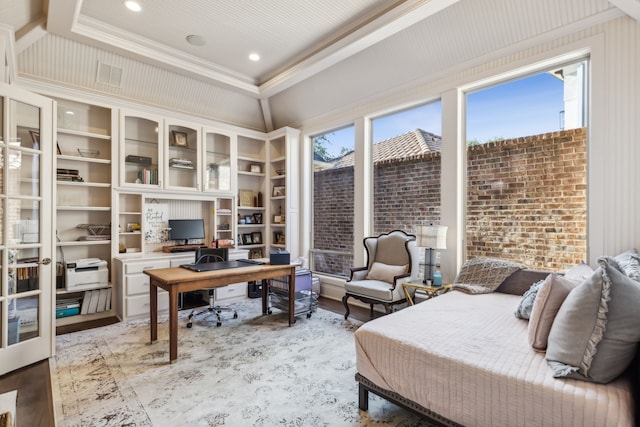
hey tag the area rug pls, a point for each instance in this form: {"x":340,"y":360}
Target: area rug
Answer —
{"x":251,"y":371}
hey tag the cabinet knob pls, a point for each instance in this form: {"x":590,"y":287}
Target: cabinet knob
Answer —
{"x":45,"y":261}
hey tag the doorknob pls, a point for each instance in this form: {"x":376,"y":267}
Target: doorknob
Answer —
{"x":45,"y":261}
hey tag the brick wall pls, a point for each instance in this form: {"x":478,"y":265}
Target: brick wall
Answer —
{"x":526,"y":201}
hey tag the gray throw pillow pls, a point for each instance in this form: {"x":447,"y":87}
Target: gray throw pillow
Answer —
{"x":629,"y":263}
{"x":523,"y":311}
{"x":596,"y":332}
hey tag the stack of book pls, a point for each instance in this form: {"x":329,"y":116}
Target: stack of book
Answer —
{"x":96,"y":301}
{"x":68,"y":175}
{"x":180,"y":163}
{"x":148,"y":176}
{"x":67,"y":307}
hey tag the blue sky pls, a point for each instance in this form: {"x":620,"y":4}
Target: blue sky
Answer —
{"x":528,"y":106}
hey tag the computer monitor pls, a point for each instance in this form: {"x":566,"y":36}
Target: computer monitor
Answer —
{"x":186,"y":229}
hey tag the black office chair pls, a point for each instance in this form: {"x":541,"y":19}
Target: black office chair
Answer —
{"x":205,"y":255}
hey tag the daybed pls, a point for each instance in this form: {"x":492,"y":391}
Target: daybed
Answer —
{"x":463,"y":359}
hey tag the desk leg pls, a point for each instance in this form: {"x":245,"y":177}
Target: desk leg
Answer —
{"x":265,"y":296}
{"x":153,"y":311}
{"x":292,"y":296}
{"x":173,"y":325}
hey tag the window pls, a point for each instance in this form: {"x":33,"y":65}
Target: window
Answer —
{"x":526,"y":169}
{"x":406,"y":168}
{"x":333,"y":196}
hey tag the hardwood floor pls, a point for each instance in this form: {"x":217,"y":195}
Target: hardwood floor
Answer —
{"x":35,"y":399}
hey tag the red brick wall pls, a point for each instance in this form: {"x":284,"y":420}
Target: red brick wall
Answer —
{"x":526,"y":201}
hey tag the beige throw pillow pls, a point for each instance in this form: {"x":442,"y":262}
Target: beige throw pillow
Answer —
{"x":385,"y":272}
{"x":550,"y":297}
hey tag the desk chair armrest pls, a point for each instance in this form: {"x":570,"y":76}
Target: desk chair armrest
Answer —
{"x":358,"y":273}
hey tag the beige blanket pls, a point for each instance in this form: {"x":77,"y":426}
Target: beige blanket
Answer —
{"x":466,"y":357}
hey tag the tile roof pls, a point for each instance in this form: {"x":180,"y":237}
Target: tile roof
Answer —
{"x":410,"y":144}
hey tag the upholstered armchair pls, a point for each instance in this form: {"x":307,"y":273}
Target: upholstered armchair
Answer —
{"x":389,"y":262}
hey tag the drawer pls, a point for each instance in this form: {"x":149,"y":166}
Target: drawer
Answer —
{"x":177,"y":262}
{"x":231,"y":291}
{"x":136,"y":284}
{"x":140,"y":305}
{"x":140,"y":266}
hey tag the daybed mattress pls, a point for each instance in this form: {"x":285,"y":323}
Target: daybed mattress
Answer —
{"x":466,"y":357}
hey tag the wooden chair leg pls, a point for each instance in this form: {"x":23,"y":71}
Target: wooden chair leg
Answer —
{"x":371,"y":311}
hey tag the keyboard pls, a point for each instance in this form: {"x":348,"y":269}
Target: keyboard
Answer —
{"x":251,"y":261}
{"x":185,"y":249}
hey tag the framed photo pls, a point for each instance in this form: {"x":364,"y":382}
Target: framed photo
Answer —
{"x":278,"y":238}
{"x":256,"y":237}
{"x":248,"y":219}
{"x":257,"y":218}
{"x":245,"y":198}
{"x":179,"y":138}
{"x":255,"y":169}
{"x":255,"y":253}
{"x":246,"y":239}
{"x":278,"y":190}
{"x":277,"y":219}
{"x":35,"y":138}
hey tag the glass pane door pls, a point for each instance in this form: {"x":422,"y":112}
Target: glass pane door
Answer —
{"x":25,"y":242}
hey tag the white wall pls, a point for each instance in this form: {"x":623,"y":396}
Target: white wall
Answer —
{"x":614,"y":49}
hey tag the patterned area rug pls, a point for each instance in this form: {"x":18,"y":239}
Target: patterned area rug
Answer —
{"x":251,"y":371}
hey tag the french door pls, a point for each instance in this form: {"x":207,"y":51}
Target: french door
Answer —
{"x":27,"y":327}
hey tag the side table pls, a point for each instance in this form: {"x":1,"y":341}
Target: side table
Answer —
{"x":431,"y":291}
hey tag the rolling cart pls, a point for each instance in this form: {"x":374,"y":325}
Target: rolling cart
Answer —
{"x":306,"y":301}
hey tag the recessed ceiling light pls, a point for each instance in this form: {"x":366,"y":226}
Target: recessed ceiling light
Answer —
{"x":254,"y":57}
{"x":195,"y":40}
{"x":69,"y":112}
{"x":133,"y":5}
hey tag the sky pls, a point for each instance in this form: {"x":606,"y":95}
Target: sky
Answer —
{"x":528,"y":106}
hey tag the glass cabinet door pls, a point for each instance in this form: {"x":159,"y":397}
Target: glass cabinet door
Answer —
{"x":26,"y":335}
{"x":217,"y":158}
{"x":182,"y":159}
{"x":141,"y":154}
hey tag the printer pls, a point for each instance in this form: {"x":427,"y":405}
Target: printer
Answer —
{"x":86,"y":273}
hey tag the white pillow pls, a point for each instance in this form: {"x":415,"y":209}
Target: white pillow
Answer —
{"x":386,"y":272}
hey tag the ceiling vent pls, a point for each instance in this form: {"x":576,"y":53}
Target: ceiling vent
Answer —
{"x":109,"y":75}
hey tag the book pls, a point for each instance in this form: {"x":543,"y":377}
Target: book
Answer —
{"x":93,"y":302}
{"x":85,"y":302}
{"x":65,"y":312}
{"x":108,"y":304}
{"x":102,"y":300}
{"x":63,"y":171}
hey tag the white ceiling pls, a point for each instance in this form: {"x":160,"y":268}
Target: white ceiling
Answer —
{"x":332,"y":52}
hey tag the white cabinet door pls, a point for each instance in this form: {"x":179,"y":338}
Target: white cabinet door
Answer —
{"x":26,"y":310}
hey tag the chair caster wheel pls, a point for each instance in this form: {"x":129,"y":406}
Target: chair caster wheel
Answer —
{"x":219,"y":324}
{"x":308,"y":315}
{"x":269,"y":311}
{"x":189,"y":325}
{"x":235,"y":315}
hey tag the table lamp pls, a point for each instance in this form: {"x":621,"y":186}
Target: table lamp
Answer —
{"x":431,"y":237}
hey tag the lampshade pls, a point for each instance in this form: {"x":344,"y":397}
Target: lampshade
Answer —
{"x":432,"y":236}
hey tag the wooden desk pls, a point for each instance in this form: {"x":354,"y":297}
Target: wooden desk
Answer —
{"x":177,"y":279}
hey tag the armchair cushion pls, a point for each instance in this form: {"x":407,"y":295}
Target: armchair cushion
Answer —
{"x":375,"y":289}
{"x":386,"y":272}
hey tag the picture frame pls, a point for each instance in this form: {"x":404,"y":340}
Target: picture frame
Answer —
{"x":256,"y":237}
{"x":254,"y":168}
{"x":278,"y":238}
{"x":245,"y":198}
{"x":277,"y":219}
{"x":255,"y":253}
{"x":246,"y":239}
{"x":257,"y":218}
{"x":279,"y":191}
{"x":179,"y":138}
{"x":58,"y":151}
{"x":35,"y":138}
{"x":248,"y":219}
